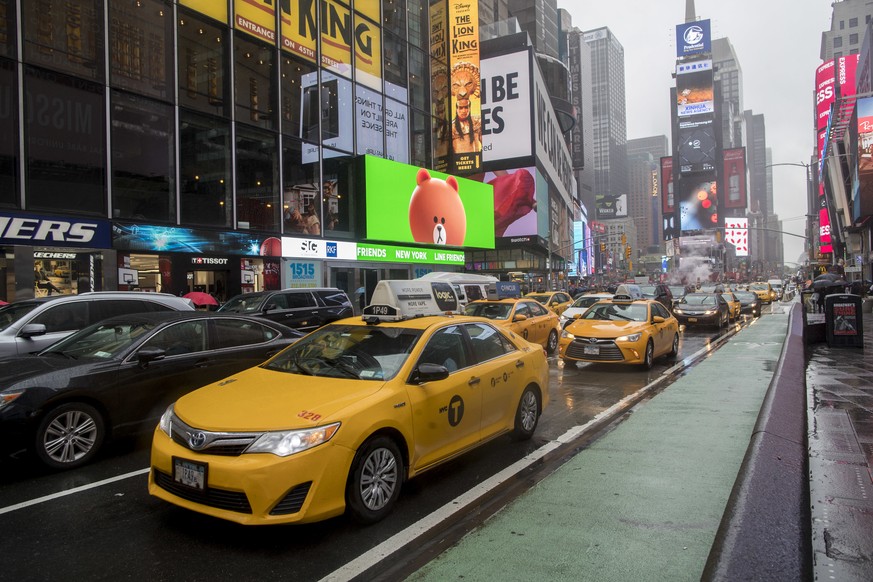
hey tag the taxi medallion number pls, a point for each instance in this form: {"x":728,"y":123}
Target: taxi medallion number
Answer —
{"x":189,"y":473}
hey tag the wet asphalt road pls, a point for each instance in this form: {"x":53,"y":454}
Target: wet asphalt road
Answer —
{"x":82,"y":524}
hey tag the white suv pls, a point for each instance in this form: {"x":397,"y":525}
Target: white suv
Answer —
{"x":30,"y":325}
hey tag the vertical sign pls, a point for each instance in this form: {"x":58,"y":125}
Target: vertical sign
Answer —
{"x":257,"y":18}
{"x":735,"y":178}
{"x":466,"y":124}
{"x":439,"y":82}
{"x":668,"y":199}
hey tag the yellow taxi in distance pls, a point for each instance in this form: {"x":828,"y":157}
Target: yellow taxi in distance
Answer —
{"x":763,"y":290}
{"x":557,"y":301}
{"x":621,"y":330}
{"x":337,"y":424}
{"x":523,"y":315}
{"x":734,"y":305}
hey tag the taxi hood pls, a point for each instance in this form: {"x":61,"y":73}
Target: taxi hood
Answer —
{"x":605,"y":329}
{"x":263,"y":400}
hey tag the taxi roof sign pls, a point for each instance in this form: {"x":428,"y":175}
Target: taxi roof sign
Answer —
{"x":627,"y":292}
{"x":394,"y":300}
{"x":504,"y":290}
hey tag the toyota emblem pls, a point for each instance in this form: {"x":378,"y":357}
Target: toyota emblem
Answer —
{"x":196,"y":440}
{"x":592,"y":340}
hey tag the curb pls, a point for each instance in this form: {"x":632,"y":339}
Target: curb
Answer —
{"x":765,"y":532}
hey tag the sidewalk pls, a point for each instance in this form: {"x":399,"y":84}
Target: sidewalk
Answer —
{"x":691,"y":486}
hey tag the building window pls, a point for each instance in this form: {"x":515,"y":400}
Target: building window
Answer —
{"x":396,"y":73}
{"x":141,"y":47}
{"x":299,"y":190}
{"x":65,"y":36}
{"x":418,"y":81}
{"x":368,"y":53}
{"x":370,"y":121}
{"x":853,"y":39}
{"x":143,"y":159}
{"x":8,"y":36}
{"x":205,"y":169}
{"x":253,"y":76}
{"x":394,"y":17}
{"x":838,"y":41}
{"x":421,"y":136}
{"x":396,"y":131}
{"x":853,"y":22}
{"x":65,"y":132}
{"x":293,"y":71}
{"x":257,"y":178}
{"x":8,"y":128}
{"x":202,"y":56}
{"x":338,"y":192}
{"x":842,"y":24}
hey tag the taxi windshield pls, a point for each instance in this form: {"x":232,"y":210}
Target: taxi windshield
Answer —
{"x":698,"y":299}
{"x":489,"y":310}
{"x":618,"y":312}
{"x":759,"y":287}
{"x":589,"y":300}
{"x":359,"y":352}
{"x":540,"y":298}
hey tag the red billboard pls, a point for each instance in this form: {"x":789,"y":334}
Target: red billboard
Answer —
{"x":837,"y":72}
{"x":734,"y":161}
{"x":668,"y":199}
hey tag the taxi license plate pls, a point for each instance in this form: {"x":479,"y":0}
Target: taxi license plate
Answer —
{"x":692,"y":319}
{"x":591,"y":350}
{"x":189,"y":473}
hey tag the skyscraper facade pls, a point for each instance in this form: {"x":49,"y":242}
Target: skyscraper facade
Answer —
{"x":848,"y":22}
{"x":730,"y":75}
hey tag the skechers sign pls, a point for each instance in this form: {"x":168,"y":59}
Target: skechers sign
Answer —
{"x":693,"y":38}
{"x":47,"y":231}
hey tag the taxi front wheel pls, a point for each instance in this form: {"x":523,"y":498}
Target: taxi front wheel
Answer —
{"x":375,"y":479}
{"x":649,"y":358}
{"x":553,"y":342}
{"x":527,"y":416}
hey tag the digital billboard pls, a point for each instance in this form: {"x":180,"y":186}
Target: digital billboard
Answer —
{"x":516,"y":198}
{"x":694,"y":93}
{"x":466,"y":125}
{"x":610,"y":206}
{"x":697,"y":145}
{"x":693,"y":38}
{"x":698,"y":204}
{"x":668,"y":200}
{"x":506,"y":107}
{"x":408,"y":204}
{"x":736,"y":232}
{"x":839,"y":72}
{"x":865,"y":144}
{"x":734,"y":177}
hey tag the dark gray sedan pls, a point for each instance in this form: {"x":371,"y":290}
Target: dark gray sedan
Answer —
{"x":117,"y":377}
{"x":702,"y":309}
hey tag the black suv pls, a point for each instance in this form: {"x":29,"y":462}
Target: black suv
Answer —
{"x":660,"y":292}
{"x":303,"y":309}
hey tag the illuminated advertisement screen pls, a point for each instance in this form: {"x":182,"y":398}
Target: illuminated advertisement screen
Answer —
{"x":698,"y":204}
{"x":693,"y":38}
{"x":736,"y":232}
{"x":506,"y":98}
{"x":466,"y":124}
{"x":515,"y":201}
{"x":735,"y":178}
{"x":694,"y":93}
{"x":697,"y":144}
{"x":865,"y":144}
{"x":839,"y":71}
{"x":668,"y":200}
{"x":408,"y":204}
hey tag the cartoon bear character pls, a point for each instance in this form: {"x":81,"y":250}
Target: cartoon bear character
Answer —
{"x":436,"y":213}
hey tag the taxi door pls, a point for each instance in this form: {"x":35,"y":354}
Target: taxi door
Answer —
{"x":545,"y":322}
{"x":446,"y":414}
{"x":498,"y":365}
{"x":662,"y":333}
{"x":527,"y":328}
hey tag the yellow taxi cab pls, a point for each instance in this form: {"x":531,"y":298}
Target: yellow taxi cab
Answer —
{"x":621,"y":330}
{"x":763,"y":290}
{"x":523,"y":315}
{"x":734,"y":305}
{"x":337,"y":424}
{"x":557,"y":301}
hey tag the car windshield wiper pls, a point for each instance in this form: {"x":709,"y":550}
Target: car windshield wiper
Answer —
{"x":299,"y":365}
{"x":343,"y":367}
{"x":63,"y":354}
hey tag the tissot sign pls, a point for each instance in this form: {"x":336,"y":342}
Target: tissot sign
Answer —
{"x":26,"y":229}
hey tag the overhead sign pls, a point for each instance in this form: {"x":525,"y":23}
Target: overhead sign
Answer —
{"x":693,"y":38}
{"x":29,"y":229}
{"x":306,"y":248}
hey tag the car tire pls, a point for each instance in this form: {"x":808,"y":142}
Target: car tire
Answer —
{"x":649,"y":356}
{"x":69,"y":436}
{"x":674,"y":351}
{"x":374,"y":481}
{"x":527,"y":415}
{"x":552,"y":344}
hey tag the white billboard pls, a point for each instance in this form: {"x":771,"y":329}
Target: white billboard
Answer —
{"x":736,"y":232}
{"x":506,"y":107}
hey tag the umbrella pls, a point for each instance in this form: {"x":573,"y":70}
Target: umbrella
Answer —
{"x":199,"y":298}
{"x":827,"y":283}
{"x":827,"y":277}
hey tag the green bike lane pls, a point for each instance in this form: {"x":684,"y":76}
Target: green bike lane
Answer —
{"x":644,"y":501}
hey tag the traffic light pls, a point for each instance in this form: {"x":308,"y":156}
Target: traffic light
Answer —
{"x":627,"y":252}
{"x":602,"y":247}
{"x":623,"y":238}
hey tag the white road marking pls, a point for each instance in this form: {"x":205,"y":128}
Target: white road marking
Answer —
{"x":45,"y":498}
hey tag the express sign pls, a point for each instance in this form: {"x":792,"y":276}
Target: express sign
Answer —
{"x":42,"y":230}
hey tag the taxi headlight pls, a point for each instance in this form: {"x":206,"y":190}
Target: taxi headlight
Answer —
{"x":166,"y":422}
{"x":567,"y":335}
{"x":288,"y":442}
{"x":634,"y":337}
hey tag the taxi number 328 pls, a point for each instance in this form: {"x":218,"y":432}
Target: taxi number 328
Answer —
{"x":309,"y":415}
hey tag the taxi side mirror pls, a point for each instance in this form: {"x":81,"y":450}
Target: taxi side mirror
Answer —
{"x":426,"y":372}
{"x":519,"y":317}
{"x":658,"y":319}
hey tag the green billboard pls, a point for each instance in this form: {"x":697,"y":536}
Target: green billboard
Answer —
{"x":408,"y":204}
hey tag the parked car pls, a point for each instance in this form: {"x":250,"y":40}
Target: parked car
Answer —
{"x":702,"y":309}
{"x":304,"y":309}
{"x":31,"y":325}
{"x":119,"y":375}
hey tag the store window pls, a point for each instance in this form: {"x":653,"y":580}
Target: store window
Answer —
{"x":9,"y":129}
{"x":143,"y":159}
{"x":65,"y":36}
{"x":293,"y":71}
{"x":338,"y":188}
{"x":8,"y":36}
{"x":301,"y":203}
{"x":141,"y":47}
{"x":254,"y":93}
{"x":65,"y":136}
{"x":205,"y":169}
{"x":257,"y":201}
{"x":202,"y":61}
